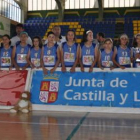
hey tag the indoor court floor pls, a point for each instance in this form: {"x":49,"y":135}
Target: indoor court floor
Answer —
{"x":43,"y":125}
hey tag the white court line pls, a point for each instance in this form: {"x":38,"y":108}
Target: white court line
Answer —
{"x":83,"y":125}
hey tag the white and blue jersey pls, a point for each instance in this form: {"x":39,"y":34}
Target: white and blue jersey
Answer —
{"x":5,"y":57}
{"x":135,"y":51}
{"x":106,"y":58}
{"x":123,"y":56}
{"x":88,"y":54}
{"x":50,"y":55}
{"x":35,"y":56}
{"x":21,"y":54}
{"x":69,"y":53}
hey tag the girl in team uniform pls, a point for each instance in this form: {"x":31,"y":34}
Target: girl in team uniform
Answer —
{"x":122,"y":53}
{"x":69,"y":52}
{"x":50,"y":54}
{"x":105,"y":55}
{"x":6,"y":53}
{"x":136,"y":51}
{"x":20,"y":51}
{"x":88,"y":52}
{"x":34,"y":54}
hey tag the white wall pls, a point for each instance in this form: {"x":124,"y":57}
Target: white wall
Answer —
{"x":4,"y":25}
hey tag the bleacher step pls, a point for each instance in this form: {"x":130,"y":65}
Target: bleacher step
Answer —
{"x":119,"y":29}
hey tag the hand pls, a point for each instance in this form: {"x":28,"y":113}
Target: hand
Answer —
{"x":39,"y":67}
{"x":45,"y":71}
{"x":111,"y":68}
{"x":23,"y":68}
{"x":33,"y":67}
{"x":63,"y":69}
{"x":132,"y":59}
{"x":52,"y":70}
{"x":137,"y":55}
{"x":72,"y":69}
{"x":10,"y":68}
{"x":122,"y":67}
{"x":101,"y":68}
{"x":90,"y":69}
{"x":17,"y":68}
{"x":82,"y":69}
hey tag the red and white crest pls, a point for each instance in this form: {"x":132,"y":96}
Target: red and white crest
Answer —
{"x":49,"y":91}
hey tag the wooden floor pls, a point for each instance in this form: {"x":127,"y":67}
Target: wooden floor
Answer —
{"x":40,"y":125}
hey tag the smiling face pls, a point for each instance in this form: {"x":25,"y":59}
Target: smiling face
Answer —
{"x":51,"y":38}
{"x":123,"y":41}
{"x":70,"y":36}
{"x":5,"y":40}
{"x":19,"y":30}
{"x":23,"y":38}
{"x":90,"y":36}
{"x":36,"y":42}
{"x":57,"y":31}
{"x":108,"y":45}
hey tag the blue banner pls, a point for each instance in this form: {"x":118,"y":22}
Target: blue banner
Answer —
{"x":104,"y":89}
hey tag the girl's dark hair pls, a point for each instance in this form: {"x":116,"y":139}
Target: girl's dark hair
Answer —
{"x":84,"y":39}
{"x":20,"y":25}
{"x":39,"y":39}
{"x":6,"y":35}
{"x":101,"y":34}
{"x":119,"y":39}
{"x":134,"y":43}
{"x":73,"y":33}
{"x":49,"y":33}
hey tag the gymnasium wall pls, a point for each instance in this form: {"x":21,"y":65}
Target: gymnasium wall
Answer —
{"x":4,"y":26}
{"x":82,"y":12}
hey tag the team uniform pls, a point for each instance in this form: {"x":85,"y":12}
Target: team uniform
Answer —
{"x":69,"y":53}
{"x":50,"y":55}
{"x":5,"y":57}
{"x":88,"y":54}
{"x":135,"y":51}
{"x":35,"y":56}
{"x":106,"y":58}
{"x":123,"y":56}
{"x":21,"y":54}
